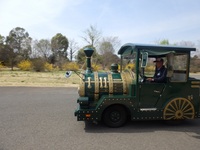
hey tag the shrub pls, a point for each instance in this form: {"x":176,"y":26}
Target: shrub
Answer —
{"x":48,"y":66}
{"x":96,"y":67}
{"x":130,"y":66}
{"x":25,"y":65}
{"x":1,"y":65}
{"x":70,"y":66}
{"x":38,"y":64}
{"x":150,"y":68}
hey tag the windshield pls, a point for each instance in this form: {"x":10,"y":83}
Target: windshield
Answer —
{"x":129,"y":62}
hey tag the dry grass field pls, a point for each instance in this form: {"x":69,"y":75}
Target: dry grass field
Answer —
{"x":43,"y":79}
{"x":37,"y":79}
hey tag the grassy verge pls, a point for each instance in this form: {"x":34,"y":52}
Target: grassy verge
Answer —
{"x":43,"y":79}
{"x":37,"y":79}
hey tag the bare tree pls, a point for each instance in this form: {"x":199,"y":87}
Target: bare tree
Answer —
{"x":198,"y":48}
{"x":188,"y":44}
{"x":73,"y":47}
{"x":107,"y":49}
{"x":108,"y":44}
{"x":92,"y":35}
{"x":42,"y":48}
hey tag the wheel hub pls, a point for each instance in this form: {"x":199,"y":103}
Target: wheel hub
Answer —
{"x":115,"y":116}
{"x":179,"y":114}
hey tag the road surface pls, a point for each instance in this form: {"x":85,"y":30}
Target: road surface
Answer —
{"x":43,"y":119}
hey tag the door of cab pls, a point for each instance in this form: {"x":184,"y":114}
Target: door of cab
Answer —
{"x":149,"y":94}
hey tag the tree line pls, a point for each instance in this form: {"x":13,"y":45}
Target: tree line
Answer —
{"x":61,"y":52}
{"x":18,"y":46}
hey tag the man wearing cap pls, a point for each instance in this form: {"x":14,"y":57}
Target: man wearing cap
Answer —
{"x":160,"y":72}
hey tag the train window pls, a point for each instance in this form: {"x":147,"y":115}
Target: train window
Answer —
{"x":180,"y":68}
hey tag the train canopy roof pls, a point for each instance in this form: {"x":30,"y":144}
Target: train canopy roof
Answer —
{"x":153,"y":50}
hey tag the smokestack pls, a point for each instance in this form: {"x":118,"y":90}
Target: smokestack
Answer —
{"x":88,"y":52}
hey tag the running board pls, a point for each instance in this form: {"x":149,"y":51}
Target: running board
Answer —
{"x":148,"y":109}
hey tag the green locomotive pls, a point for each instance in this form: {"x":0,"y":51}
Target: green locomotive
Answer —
{"x":116,"y":96}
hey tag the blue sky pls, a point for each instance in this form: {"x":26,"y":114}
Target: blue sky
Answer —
{"x":137,"y":21}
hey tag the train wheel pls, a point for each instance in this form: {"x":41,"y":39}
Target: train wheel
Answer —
{"x":179,"y":109}
{"x":115,"y":116}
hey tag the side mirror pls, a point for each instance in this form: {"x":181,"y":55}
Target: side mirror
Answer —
{"x":144,"y":59}
{"x":68,"y":74}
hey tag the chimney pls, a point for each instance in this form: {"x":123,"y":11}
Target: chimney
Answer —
{"x":88,"y":52}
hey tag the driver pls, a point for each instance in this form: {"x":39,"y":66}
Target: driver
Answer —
{"x":160,"y":72}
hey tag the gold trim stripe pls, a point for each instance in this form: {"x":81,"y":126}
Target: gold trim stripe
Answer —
{"x":123,"y":76}
{"x":110,"y":81}
{"x":96,"y":86}
{"x":96,"y":79}
{"x":81,"y":89}
{"x":195,"y":86}
{"x":195,"y":82}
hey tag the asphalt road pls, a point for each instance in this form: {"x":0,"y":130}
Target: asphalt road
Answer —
{"x":43,"y":119}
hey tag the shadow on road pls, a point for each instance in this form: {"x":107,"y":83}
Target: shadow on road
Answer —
{"x":188,"y":126}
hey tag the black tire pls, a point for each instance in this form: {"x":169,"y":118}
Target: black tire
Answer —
{"x":115,"y":116}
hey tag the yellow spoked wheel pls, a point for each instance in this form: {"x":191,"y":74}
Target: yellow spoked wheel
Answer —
{"x":179,"y":108}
